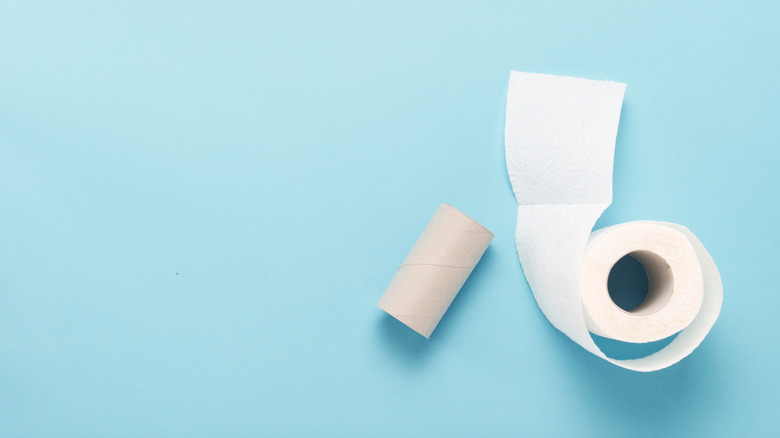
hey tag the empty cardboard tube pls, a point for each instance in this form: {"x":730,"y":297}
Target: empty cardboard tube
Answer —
{"x":436,"y":268}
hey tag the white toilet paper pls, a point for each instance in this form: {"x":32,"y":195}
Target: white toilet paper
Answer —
{"x":560,"y":137}
{"x":675,"y":282}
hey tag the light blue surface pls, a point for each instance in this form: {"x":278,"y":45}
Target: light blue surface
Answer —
{"x":200,"y":204}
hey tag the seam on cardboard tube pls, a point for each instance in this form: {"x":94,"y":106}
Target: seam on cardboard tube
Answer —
{"x":434,"y":264}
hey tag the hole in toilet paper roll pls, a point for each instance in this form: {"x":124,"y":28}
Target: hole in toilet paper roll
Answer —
{"x":627,"y":283}
{"x":640,"y":283}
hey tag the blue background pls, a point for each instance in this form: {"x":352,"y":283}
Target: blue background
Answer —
{"x":283,"y":157}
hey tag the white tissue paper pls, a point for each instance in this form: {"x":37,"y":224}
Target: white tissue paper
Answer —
{"x":560,"y":138}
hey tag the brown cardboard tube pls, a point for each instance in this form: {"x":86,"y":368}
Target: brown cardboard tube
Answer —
{"x":447,"y":251}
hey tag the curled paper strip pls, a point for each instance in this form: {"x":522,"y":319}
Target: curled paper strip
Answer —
{"x":560,"y":137}
{"x":436,"y":268}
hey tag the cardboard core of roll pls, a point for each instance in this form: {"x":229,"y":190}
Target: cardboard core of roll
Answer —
{"x":660,"y":282}
{"x":436,"y":268}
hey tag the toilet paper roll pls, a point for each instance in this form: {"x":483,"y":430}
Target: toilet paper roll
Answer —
{"x":436,"y":268}
{"x":560,"y":136}
{"x":675,"y":285}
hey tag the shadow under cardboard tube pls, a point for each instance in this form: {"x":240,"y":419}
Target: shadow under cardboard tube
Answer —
{"x":404,"y":343}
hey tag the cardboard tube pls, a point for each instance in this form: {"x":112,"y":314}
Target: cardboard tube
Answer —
{"x":435,"y":269}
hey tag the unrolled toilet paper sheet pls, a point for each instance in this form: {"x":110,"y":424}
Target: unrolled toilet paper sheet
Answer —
{"x":560,"y":138}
